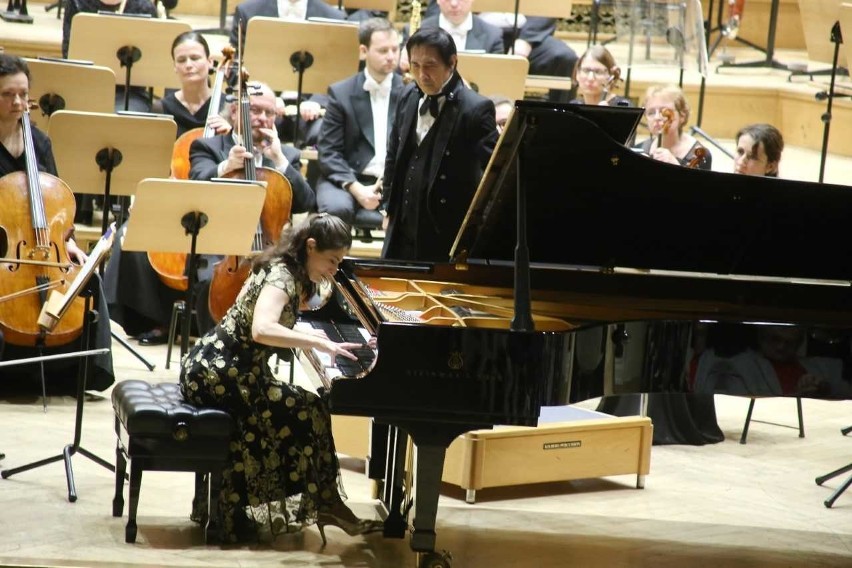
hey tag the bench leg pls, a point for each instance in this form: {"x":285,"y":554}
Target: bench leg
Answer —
{"x":120,"y":469}
{"x":213,"y":532}
{"x":200,"y":502}
{"x":135,"y":486}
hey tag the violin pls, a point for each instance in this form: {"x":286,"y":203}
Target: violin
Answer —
{"x":36,"y":219}
{"x":171,"y":266}
{"x":230,"y":273}
{"x":697,"y":157}
{"x":668,"y":117}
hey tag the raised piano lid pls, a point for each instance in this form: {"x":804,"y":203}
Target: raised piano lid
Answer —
{"x":595,"y":204}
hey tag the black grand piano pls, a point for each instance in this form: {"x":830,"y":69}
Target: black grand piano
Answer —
{"x":583,"y":269}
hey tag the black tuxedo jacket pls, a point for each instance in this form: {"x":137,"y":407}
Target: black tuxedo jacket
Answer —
{"x":269,"y":8}
{"x":347,"y":142}
{"x":205,"y":155}
{"x":464,"y":140}
{"x":482,"y":36}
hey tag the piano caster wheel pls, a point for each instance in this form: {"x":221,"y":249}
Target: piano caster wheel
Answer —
{"x":434,"y":559}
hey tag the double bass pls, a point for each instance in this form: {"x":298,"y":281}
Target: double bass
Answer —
{"x":230,"y":273}
{"x":171,"y":266}
{"x":36,"y":219}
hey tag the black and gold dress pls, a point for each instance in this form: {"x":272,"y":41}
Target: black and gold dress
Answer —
{"x":282,"y":464}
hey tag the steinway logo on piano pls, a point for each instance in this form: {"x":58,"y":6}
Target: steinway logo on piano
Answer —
{"x":456,"y":361}
{"x":562,"y":445}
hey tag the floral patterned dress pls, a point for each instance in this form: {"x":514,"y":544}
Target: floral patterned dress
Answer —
{"x":282,"y":464}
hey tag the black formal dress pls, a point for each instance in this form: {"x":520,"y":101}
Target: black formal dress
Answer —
{"x":429,"y":185}
{"x":60,"y":375}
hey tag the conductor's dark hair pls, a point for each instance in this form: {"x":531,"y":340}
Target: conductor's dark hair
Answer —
{"x":370,"y":26}
{"x":440,"y":39}
{"x":191,"y":36}
{"x":329,"y":232}
{"x":12,"y":65}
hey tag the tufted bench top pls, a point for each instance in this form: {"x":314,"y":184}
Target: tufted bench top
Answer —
{"x":157,"y":410}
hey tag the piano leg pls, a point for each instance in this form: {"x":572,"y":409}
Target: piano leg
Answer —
{"x":430,"y":467}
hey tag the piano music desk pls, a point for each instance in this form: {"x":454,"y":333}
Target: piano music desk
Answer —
{"x":569,"y":443}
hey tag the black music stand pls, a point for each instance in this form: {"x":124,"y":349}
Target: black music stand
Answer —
{"x":319,"y":54}
{"x":169,"y":215}
{"x":132,"y":47}
{"x":769,"y":60}
{"x":829,"y":96}
{"x":823,"y":478}
{"x":93,"y":150}
{"x":90,"y":318}
{"x":17,"y":13}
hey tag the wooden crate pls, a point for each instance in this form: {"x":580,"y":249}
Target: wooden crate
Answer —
{"x":569,"y":443}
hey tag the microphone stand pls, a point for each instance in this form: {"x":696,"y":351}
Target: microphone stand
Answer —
{"x":836,"y":39}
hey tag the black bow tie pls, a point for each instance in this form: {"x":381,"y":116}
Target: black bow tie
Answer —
{"x":432,"y":105}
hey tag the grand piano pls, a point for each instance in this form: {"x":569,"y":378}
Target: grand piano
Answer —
{"x":584,"y":269}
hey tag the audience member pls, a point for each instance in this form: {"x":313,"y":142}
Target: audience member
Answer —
{"x":353,"y":141}
{"x":441,"y":141}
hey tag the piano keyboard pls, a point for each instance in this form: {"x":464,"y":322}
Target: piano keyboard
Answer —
{"x":342,"y":332}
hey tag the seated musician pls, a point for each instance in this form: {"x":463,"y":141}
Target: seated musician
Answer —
{"x":546,"y":54}
{"x":759,"y":148}
{"x":284,"y":430}
{"x":221,"y":155}
{"x":353,"y":139}
{"x":667,"y":112}
{"x":440,"y":143}
{"x":596,"y":76}
{"x":470,"y":32}
{"x":503,"y":108}
{"x":144,"y":308}
{"x":14,"y":99}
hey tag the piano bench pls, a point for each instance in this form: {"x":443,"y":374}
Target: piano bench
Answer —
{"x":568,"y":443}
{"x":158,"y":431}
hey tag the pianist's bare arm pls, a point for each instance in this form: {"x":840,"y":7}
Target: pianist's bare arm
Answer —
{"x":266,"y":329}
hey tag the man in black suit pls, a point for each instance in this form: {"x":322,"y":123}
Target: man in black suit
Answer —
{"x":546,"y":54}
{"x":296,"y":10}
{"x":353,"y":139}
{"x":470,"y":32}
{"x":441,"y":141}
{"x":219,"y":155}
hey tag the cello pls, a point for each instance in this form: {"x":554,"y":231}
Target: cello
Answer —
{"x":171,"y":266}
{"x":36,"y":219}
{"x":230,"y":273}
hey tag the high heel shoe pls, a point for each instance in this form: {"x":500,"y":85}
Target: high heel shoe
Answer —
{"x":351,"y":527}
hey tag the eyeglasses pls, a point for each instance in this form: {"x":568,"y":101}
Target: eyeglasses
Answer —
{"x":652,"y":112}
{"x":596,"y":71}
{"x":268,"y":113}
{"x":9,"y":96}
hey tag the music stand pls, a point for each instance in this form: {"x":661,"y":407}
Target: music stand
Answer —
{"x":17,"y":13}
{"x":769,"y":60}
{"x":319,"y":53}
{"x":57,"y":86}
{"x":82,"y":377}
{"x":492,"y":74}
{"x":133,"y":43}
{"x":95,"y":150}
{"x":169,"y":215}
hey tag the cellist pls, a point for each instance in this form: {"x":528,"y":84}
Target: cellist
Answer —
{"x":218,"y":156}
{"x":144,"y":308}
{"x":14,"y":100}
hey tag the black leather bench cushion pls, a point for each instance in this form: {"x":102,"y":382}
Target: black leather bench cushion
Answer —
{"x":157,"y":410}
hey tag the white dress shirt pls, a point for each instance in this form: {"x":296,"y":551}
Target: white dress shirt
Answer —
{"x":380,"y":104}
{"x":293,"y":9}
{"x":426,"y":120}
{"x":459,"y":32}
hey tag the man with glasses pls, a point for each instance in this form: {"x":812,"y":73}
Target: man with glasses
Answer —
{"x":219,"y":155}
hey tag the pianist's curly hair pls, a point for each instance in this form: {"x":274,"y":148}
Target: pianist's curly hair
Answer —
{"x":329,"y":232}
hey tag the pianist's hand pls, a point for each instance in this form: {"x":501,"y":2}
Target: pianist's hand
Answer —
{"x":344,"y":349}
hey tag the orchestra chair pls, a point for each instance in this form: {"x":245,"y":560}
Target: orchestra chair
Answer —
{"x":751,"y":408}
{"x":158,"y":431}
